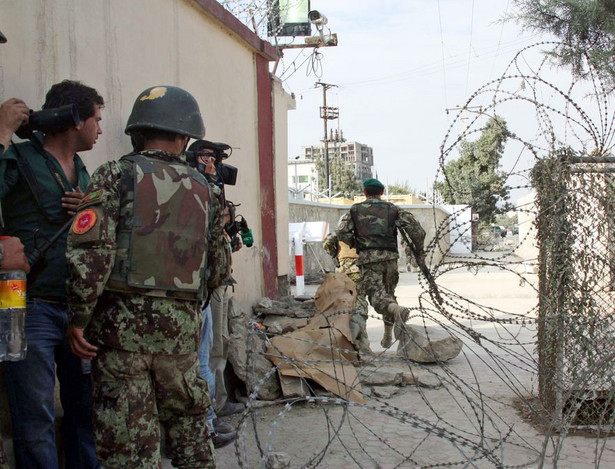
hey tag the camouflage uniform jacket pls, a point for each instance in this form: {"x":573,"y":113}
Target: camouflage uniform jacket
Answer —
{"x":346,"y":232}
{"x":224,"y":266}
{"x":129,"y":321}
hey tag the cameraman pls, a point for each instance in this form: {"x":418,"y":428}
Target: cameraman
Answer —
{"x":41,"y":183}
{"x":209,"y":156}
{"x":222,"y":433}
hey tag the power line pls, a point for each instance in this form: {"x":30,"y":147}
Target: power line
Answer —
{"x":470,"y":48}
{"x":443,"y":56}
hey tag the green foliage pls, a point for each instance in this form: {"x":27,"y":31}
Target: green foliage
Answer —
{"x":507,"y":221}
{"x":586,"y":29}
{"x":400,"y":188}
{"x":343,"y":181}
{"x":474,"y":178}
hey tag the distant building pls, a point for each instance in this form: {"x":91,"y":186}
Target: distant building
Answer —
{"x":355,"y":154}
{"x":302,"y":179}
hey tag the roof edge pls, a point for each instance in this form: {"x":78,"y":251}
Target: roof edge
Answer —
{"x":238,"y":29}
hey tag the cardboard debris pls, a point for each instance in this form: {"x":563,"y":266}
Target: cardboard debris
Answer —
{"x":323,"y":350}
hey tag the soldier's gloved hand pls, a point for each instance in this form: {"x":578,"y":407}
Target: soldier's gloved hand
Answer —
{"x":80,"y":347}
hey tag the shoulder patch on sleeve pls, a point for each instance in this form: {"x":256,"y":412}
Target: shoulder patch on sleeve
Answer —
{"x":84,"y":221}
{"x":93,"y":198}
{"x":87,"y":226}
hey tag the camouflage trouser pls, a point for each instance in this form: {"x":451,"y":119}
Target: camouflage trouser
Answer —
{"x":378,"y":280}
{"x":358,"y":322}
{"x":133,"y":394}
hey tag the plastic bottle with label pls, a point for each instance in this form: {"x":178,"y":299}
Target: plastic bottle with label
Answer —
{"x":13,"y":345}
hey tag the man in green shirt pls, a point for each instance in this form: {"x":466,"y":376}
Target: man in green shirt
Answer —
{"x":41,"y":183}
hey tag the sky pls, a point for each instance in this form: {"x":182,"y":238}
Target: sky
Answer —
{"x":399,"y":66}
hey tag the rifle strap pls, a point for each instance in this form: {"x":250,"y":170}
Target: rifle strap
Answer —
{"x":26,"y":171}
{"x":28,"y":174}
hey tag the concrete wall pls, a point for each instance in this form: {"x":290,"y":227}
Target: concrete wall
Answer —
{"x":282,"y":103}
{"x":315,"y":258}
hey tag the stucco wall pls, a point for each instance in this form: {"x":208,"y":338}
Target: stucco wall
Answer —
{"x":314,"y":255}
{"x":121,"y":48}
{"x":282,"y":102}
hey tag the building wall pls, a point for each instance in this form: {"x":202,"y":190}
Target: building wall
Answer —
{"x":121,"y":50}
{"x":282,"y":102}
{"x":122,"y":47}
{"x":302,"y":179}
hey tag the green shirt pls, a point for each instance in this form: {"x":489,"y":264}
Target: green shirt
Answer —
{"x":34,"y":224}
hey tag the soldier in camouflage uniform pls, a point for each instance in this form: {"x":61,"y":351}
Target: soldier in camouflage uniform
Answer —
{"x":140,"y":252}
{"x":347,"y":260}
{"x":371,"y":228}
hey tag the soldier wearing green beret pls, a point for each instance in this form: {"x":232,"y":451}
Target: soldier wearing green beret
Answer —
{"x":371,"y":228}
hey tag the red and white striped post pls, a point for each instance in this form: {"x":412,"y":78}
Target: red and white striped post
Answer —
{"x":298,"y":241}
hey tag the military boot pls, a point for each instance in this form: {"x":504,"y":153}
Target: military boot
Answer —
{"x":387,"y":339}
{"x":401,"y":316}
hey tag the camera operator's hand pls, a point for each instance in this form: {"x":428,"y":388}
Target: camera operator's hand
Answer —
{"x":237,"y":243}
{"x":71,"y":200}
{"x":13,"y":113}
{"x":209,"y":162}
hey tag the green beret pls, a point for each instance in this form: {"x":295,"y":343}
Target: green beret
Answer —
{"x":373,"y":182}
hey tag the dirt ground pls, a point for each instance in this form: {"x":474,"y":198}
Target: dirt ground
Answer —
{"x":472,"y":418}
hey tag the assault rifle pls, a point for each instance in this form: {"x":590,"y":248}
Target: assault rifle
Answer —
{"x":421,"y":263}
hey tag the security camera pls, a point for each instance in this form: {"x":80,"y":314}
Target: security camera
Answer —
{"x":317,"y":18}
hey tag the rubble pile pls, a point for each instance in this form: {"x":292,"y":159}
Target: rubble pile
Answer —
{"x":287,"y":348}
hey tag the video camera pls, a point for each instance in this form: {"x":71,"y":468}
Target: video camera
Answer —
{"x":221,"y":151}
{"x":227,"y":174}
{"x":50,"y":120}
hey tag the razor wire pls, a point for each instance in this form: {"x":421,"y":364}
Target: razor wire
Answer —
{"x":527,"y":381}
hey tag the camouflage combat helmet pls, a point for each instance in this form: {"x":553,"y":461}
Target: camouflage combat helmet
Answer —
{"x":167,"y":108}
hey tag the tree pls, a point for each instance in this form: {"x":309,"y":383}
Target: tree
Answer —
{"x":474,"y":178}
{"x":586,"y":29}
{"x":400,"y":188}
{"x":343,"y":180}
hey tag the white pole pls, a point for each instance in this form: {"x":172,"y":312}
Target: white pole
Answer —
{"x":299,"y":264}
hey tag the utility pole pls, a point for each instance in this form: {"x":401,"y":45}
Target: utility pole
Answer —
{"x":464,"y":111}
{"x":327,"y":113}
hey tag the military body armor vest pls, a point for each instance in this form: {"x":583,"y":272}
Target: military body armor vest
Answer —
{"x":162,"y":234}
{"x":374,"y":224}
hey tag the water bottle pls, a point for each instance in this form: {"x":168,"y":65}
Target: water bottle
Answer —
{"x":12,"y":315}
